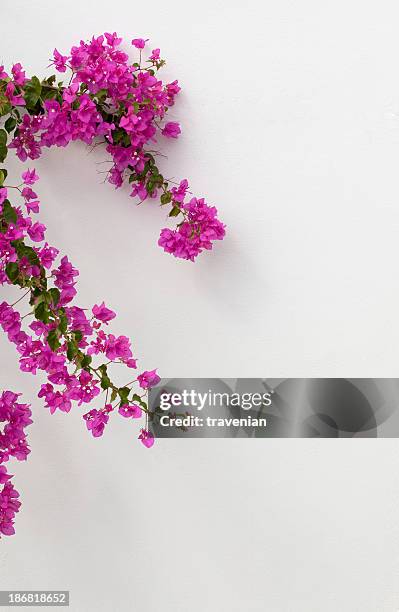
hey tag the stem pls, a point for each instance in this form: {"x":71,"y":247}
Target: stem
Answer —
{"x":21,"y":298}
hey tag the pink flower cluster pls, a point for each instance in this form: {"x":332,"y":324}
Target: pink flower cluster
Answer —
{"x":60,"y":331}
{"x":124,"y":104}
{"x":15,"y":417}
{"x":197,"y":232}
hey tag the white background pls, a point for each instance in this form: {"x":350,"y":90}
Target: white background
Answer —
{"x":290,"y":117}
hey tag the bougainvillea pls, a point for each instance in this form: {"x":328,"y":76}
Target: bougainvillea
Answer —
{"x":14,"y":417}
{"x":122,"y":105}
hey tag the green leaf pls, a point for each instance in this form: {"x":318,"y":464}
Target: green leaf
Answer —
{"x":77,"y":335}
{"x":174,"y":212}
{"x":136,"y":398}
{"x":86,"y":361}
{"x":149,"y":187}
{"x":113,"y":395}
{"x":32,"y":92}
{"x":41,"y":312}
{"x":54,"y":295}
{"x":101,"y":95}
{"x":52,"y":340}
{"x":63,"y":324}
{"x":48,"y":93}
{"x":124,"y":394}
{"x":5,"y":105}
{"x":51,"y":80}
{"x":10,"y":124}
{"x":9,"y":214}
{"x":12,"y":271}
{"x":31,"y":255}
{"x":105,"y":382}
{"x":3,"y":176}
{"x":22,"y":249}
{"x":166,"y":197}
{"x":72,"y":349}
{"x":3,"y":145}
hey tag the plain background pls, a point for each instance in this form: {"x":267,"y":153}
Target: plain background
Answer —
{"x":290,"y":118}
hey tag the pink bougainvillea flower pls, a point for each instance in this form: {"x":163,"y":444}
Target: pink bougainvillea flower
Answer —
{"x":4,"y":477}
{"x":65,"y":274}
{"x":155,"y":55}
{"x":171,"y":129}
{"x":118,"y":347}
{"x":59,"y":61}
{"x":102,"y":313}
{"x":32,"y":206}
{"x":30,"y":177}
{"x":3,"y":194}
{"x":148,"y":379}
{"x":48,"y":255}
{"x":146,"y":438}
{"x":96,"y":421}
{"x":9,"y":506}
{"x":14,"y":418}
{"x":130,"y":411}
{"x":112,"y":39}
{"x":16,"y":100}
{"x":36,"y":232}
{"x":18,"y":74}
{"x":139,"y":43}
{"x":28,"y":193}
{"x":88,"y":388}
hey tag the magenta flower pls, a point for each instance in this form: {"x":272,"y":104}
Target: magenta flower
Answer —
{"x":59,"y":61}
{"x":18,"y":74}
{"x":16,"y":417}
{"x":28,"y":193}
{"x":102,"y":313}
{"x":148,"y":379}
{"x":171,"y":129}
{"x":30,"y":177}
{"x":9,"y":506}
{"x":36,"y":232}
{"x":16,"y":100}
{"x":25,"y":143}
{"x":112,"y":39}
{"x":48,"y":255}
{"x":32,"y":206}
{"x":130,"y":411}
{"x":65,"y":274}
{"x":4,"y":477}
{"x":139,"y":43}
{"x":96,"y":421}
{"x":155,"y":54}
{"x":3,"y":194}
{"x":118,"y":347}
{"x":146,"y":438}
{"x":88,"y":388}
{"x":195,"y":234}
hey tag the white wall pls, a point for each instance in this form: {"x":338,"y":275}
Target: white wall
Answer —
{"x":290,"y":112}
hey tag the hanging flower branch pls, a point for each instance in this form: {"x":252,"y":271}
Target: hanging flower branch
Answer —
{"x":122,"y":105}
{"x":13,"y":443}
